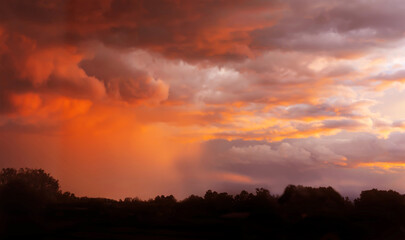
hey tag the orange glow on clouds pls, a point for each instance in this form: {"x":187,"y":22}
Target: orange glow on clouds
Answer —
{"x":384,"y":165}
{"x":129,"y":100}
{"x":39,"y":108}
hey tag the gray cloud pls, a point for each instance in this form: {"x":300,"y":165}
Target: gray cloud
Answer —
{"x":332,"y":160}
{"x":123,"y":81}
{"x":334,"y":27}
{"x":327,"y":109}
{"x":393,"y":76}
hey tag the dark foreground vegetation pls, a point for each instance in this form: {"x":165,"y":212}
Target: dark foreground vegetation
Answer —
{"x":32,"y":206}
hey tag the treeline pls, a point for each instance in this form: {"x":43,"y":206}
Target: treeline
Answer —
{"x":32,"y":204}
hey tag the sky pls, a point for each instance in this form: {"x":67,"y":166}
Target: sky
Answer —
{"x":121,"y":98}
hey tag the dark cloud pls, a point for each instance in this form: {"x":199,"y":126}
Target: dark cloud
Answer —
{"x":189,"y":30}
{"x":197,"y":31}
{"x":122,"y":80}
{"x":210,"y":30}
{"x":333,"y":27}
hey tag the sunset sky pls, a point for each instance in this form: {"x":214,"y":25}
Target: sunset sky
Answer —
{"x":121,"y":98}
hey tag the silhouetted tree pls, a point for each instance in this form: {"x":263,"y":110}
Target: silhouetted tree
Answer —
{"x":26,"y":187}
{"x":31,"y":201}
{"x":35,"y":179}
{"x":192,"y":206}
{"x":165,"y":200}
{"x":244,"y":201}
{"x":243,"y":196}
{"x":218,"y":202}
{"x":24,"y":194}
{"x":300,"y":202}
{"x":386,"y":205}
{"x":382,"y":213}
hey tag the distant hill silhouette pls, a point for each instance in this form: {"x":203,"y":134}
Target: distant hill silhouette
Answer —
{"x":32,"y":205}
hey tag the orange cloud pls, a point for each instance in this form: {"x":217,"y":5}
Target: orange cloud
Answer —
{"x":46,"y":109}
{"x":127,"y":90}
{"x":235,"y":178}
{"x":26,"y":104}
{"x":391,"y":166}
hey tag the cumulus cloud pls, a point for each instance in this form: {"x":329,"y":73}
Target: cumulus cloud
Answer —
{"x":193,"y":32}
{"x":347,"y":161}
{"x":186,"y":30}
{"x":293,"y":84}
{"x":211,"y":30}
{"x":334,"y":28}
{"x":28,"y":68}
{"x":123,"y":81}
